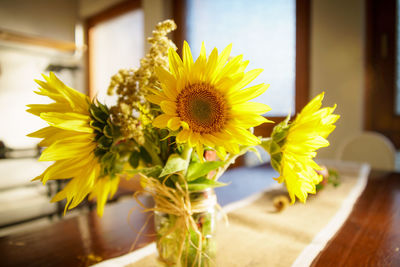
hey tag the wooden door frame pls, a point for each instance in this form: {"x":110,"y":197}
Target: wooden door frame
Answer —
{"x":380,"y":75}
{"x":107,"y":14}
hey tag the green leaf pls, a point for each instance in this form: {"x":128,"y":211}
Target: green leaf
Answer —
{"x":276,"y":165}
{"x":97,"y":125}
{"x":175,"y":163}
{"x":280,"y":135}
{"x":280,"y":131}
{"x":98,"y":114}
{"x":103,"y":108}
{"x":274,"y":148}
{"x":151,"y":145}
{"x":145,"y":155}
{"x":99,"y":152}
{"x":134,"y":159}
{"x":115,"y":130}
{"x":277,"y":157}
{"x":270,"y":146}
{"x":107,"y":131}
{"x":104,"y":142}
{"x":117,"y":168}
{"x":108,"y":162}
{"x":203,"y":183}
{"x":197,"y":169}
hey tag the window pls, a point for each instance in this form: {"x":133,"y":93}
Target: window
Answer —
{"x":264,"y":31}
{"x":116,"y":41}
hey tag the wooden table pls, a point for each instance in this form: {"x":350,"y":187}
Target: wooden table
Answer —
{"x":370,"y":236}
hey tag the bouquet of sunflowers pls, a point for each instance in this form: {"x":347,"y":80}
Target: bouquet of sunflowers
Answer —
{"x":170,"y":113}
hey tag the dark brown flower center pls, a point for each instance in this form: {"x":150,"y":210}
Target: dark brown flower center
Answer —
{"x":202,"y":107}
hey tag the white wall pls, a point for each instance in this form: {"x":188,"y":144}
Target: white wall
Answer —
{"x":337,"y":63}
{"x":88,"y":8}
{"x":20,"y":64}
{"x":46,"y":18}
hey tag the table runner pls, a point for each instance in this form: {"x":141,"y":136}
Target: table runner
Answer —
{"x":257,"y":235}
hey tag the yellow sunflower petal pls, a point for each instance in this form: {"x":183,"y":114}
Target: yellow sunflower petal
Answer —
{"x":200,"y":151}
{"x":247,"y":78}
{"x":187,"y":57}
{"x":168,"y":81}
{"x":175,"y":62}
{"x":162,"y":121}
{"x":232,"y":148}
{"x":314,"y":104}
{"x":183,"y":136}
{"x":247,"y":120}
{"x":245,"y":137}
{"x":155,"y":99}
{"x":68,"y":121}
{"x":223,"y":57}
{"x":36,"y":109}
{"x":197,"y":73}
{"x":174,"y":123}
{"x":168,"y":107}
{"x":70,"y":140}
{"x":60,"y":150}
{"x":212,"y":63}
{"x":232,"y":67}
{"x":252,"y":107}
{"x":247,"y":94}
{"x":212,"y":104}
{"x":304,"y":136}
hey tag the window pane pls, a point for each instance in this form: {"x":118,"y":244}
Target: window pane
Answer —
{"x":116,"y":44}
{"x":264,"y":31}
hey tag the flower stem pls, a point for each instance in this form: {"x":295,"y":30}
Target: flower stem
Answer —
{"x":186,"y":155}
{"x":154,"y":156}
{"x":231,"y":159}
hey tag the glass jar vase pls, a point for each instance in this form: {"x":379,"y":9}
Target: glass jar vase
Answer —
{"x":188,"y":241}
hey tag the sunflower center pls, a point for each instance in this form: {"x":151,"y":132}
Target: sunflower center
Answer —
{"x":202,"y":107}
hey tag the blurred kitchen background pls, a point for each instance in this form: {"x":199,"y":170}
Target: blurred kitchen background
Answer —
{"x":347,"y":48}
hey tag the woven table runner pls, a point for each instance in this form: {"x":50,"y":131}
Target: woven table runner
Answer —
{"x":257,"y":235}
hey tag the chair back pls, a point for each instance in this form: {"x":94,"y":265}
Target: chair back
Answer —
{"x":370,"y":147}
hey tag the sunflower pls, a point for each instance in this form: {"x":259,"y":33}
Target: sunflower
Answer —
{"x":71,"y":143}
{"x":204,"y":103}
{"x":293,"y":147}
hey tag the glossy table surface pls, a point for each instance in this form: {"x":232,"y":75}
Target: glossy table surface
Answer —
{"x":369,"y":237}
{"x":371,"y":234}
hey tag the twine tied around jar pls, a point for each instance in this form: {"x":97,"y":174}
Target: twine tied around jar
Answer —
{"x":177,"y":201}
